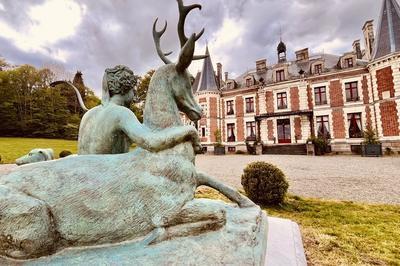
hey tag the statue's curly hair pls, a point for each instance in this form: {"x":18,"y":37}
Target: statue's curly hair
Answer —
{"x":121,"y":80}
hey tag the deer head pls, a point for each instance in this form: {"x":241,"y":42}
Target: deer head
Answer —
{"x":178,"y":77}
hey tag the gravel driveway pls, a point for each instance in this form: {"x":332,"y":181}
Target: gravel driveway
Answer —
{"x":372,"y":180}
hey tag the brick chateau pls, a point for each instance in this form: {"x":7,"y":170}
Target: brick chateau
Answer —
{"x":285,"y":103}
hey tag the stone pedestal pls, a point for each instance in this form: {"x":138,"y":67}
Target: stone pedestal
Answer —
{"x":242,"y":241}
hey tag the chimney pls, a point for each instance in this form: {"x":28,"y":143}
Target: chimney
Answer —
{"x":219,"y":74}
{"x":226,"y":76}
{"x":369,"y":38}
{"x":261,"y":65}
{"x":302,"y":55}
{"x":357,"y":49}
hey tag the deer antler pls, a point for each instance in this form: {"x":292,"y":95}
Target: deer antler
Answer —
{"x":157,"y":37}
{"x":183,"y":12}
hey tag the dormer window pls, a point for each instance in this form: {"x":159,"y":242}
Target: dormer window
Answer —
{"x":249,"y":82}
{"x":318,"y":69}
{"x":230,"y":85}
{"x":280,"y":75}
{"x":349,"y":62}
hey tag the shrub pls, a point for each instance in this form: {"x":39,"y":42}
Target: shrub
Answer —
{"x":239,"y":152}
{"x":370,"y":136}
{"x":264,"y":183}
{"x":321,"y":144}
{"x":218,"y":138}
{"x":64,"y":154}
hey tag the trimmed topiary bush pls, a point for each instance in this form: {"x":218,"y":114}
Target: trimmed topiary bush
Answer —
{"x":264,"y":183}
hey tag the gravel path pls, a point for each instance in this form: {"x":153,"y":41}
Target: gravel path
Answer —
{"x":372,"y":180}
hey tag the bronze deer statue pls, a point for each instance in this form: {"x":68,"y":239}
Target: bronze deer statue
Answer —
{"x":102,"y":199}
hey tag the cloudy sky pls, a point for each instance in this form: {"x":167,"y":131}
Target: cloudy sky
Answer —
{"x":91,"y":35}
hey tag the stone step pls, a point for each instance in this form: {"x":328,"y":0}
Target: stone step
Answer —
{"x":285,"y":246}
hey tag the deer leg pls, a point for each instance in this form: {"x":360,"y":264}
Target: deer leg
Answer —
{"x":25,"y":226}
{"x":230,"y":193}
{"x":196,"y":217}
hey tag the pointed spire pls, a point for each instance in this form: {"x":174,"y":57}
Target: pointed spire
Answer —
{"x":207,"y":80}
{"x":388,"y":33}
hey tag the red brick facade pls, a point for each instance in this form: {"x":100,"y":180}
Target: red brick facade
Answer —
{"x":270,"y":124}
{"x":384,"y":79}
{"x":295,"y":99}
{"x":336,"y":94}
{"x":365,"y":92}
{"x":297,"y":128}
{"x":389,"y":118}
{"x":213,"y":118}
{"x":269,"y":99}
{"x":339,"y":131}
{"x":239,"y":118}
{"x":309,"y":98}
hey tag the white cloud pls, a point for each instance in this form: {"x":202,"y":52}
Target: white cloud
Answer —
{"x":42,"y":32}
{"x":2,"y":7}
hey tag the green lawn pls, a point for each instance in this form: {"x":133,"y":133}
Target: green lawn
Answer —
{"x":12,"y":148}
{"x":341,"y":233}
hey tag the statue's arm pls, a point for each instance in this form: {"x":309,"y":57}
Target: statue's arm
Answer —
{"x":157,"y":141}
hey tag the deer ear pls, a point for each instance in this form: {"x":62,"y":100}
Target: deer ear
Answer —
{"x":186,"y":55}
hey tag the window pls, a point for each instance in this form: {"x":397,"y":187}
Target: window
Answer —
{"x":318,"y":69}
{"x":349,"y":62}
{"x":229,"y":108}
{"x":282,"y":100}
{"x":203,"y":132}
{"x":352,"y":92}
{"x":323,"y":126}
{"x":280,"y":75}
{"x":251,"y":130}
{"x":230,"y":85}
{"x":355,"y":125}
{"x":250,"y":105}
{"x":231,"y":149}
{"x":249,"y":82}
{"x":231,"y":132}
{"x":320,"y":96}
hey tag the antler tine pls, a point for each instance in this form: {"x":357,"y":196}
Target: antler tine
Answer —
{"x":183,"y":12}
{"x":157,"y":37}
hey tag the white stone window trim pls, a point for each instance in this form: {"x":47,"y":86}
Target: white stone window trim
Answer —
{"x":359,"y":91}
{"x":226,"y":107}
{"x":235,"y":131}
{"x":347,"y":111}
{"x":285,"y":72}
{"x":289,"y":104}
{"x":318,"y":62}
{"x":344,"y":58}
{"x":327,"y":113}
{"x":328,"y":94}
{"x":248,"y":120}
{"x":244,"y":104}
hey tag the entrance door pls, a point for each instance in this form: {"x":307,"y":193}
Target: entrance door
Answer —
{"x":284,"y":135}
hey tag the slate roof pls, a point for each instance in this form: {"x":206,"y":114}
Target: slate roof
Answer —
{"x":207,"y":80}
{"x":388,"y":33}
{"x":331,"y":64}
